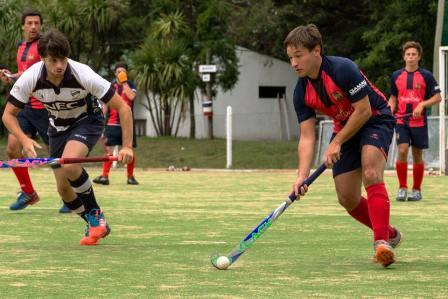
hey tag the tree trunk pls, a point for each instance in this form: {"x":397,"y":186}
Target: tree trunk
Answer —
{"x":160,"y":114}
{"x":167,"y":116}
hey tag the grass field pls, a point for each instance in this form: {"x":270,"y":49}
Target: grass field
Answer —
{"x":164,"y":230}
{"x":162,"y":152}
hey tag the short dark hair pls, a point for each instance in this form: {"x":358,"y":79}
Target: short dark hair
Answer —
{"x":306,"y":36}
{"x":121,"y":64}
{"x":29,"y":12}
{"x":415,"y":45}
{"x":53,"y":43}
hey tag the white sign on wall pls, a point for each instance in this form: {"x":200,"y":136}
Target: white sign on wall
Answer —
{"x":208,"y":68}
{"x":205,"y":77}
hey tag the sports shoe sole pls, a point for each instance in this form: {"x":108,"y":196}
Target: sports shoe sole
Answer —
{"x":91,"y":241}
{"x":384,"y":255}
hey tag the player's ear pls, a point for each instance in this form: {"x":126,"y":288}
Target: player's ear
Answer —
{"x":317,"y":50}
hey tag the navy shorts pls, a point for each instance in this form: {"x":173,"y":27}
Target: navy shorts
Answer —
{"x":417,"y":137}
{"x":114,"y":137}
{"x":87,"y":131}
{"x":34,"y":122}
{"x":378,"y":133}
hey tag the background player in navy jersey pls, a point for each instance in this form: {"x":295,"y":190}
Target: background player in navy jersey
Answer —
{"x":363,"y":129}
{"x":65,"y":87}
{"x":126,"y":89}
{"x":33,"y":119}
{"x":413,"y":89}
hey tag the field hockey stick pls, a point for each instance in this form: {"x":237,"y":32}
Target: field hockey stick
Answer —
{"x":256,"y":233}
{"x":403,"y":116}
{"x":8,"y":75}
{"x":37,"y":162}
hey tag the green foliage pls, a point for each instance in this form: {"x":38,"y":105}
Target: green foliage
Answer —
{"x":161,"y":68}
{"x":177,"y":42}
{"x":369,"y":32}
{"x":9,"y":32}
{"x":392,"y":23}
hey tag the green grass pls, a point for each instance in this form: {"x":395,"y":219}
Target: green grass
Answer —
{"x":164,"y":230}
{"x":203,"y":153}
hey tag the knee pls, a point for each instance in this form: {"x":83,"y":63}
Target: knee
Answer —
{"x":65,"y":191}
{"x":371,"y":176}
{"x":403,"y":156}
{"x":348,"y":202}
{"x":71,"y":171}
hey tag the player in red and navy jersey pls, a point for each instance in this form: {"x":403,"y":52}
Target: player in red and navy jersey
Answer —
{"x":413,"y":89}
{"x":363,"y":130}
{"x":33,"y":119}
{"x":126,"y":89}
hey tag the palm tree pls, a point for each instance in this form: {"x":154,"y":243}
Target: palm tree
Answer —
{"x":162,"y":69}
{"x":10,"y":31}
{"x":89,"y":25}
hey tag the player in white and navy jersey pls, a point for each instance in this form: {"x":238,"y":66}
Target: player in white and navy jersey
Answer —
{"x":33,"y":119}
{"x":67,"y":89}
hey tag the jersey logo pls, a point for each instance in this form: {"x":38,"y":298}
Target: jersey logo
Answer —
{"x":75,"y":93}
{"x":338,"y":96}
{"x":58,"y":106}
{"x":418,"y":86}
{"x":31,"y":57}
{"x":357,"y":88}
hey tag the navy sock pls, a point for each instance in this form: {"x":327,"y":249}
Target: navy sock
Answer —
{"x":77,"y":207}
{"x":84,"y":190}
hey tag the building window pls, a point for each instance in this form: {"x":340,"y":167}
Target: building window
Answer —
{"x":271,"y":92}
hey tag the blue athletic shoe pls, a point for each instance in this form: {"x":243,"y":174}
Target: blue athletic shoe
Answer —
{"x":24,"y":200}
{"x":65,"y":209}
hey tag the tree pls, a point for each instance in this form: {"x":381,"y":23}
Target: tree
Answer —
{"x":392,"y":23}
{"x":204,"y":29}
{"x":161,"y":69}
{"x":91,"y":26}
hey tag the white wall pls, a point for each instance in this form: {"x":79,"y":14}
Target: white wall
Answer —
{"x":253,"y":118}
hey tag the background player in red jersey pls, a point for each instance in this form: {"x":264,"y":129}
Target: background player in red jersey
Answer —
{"x":413,"y":89}
{"x":363,"y":130}
{"x":33,"y":119}
{"x":126,"y":89}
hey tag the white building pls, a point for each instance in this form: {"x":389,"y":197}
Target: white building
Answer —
{"x":258,"y":113}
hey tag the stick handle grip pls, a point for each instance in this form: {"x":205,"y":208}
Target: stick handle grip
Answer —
{"x":407,"y":115}
{"x":87,"y":160}
{"x":310,"y":180}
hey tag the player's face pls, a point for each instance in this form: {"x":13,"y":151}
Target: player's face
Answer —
{"x":305,"y":62}
{"x":31,"y":27}
{"x":411,"y":57}
{"x":119,"y":70}
{"x":55,"y":66}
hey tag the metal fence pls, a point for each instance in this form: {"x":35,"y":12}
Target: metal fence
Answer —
{"x":430,"y":156}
